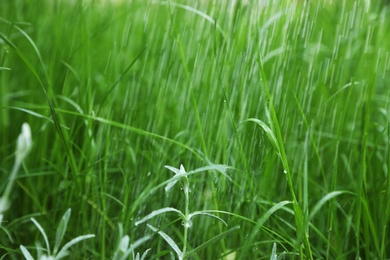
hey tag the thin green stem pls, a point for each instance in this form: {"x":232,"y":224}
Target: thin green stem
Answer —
{"x":187,"y":223}
{"x":12,"y":178}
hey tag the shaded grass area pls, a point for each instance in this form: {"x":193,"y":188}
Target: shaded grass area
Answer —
{"x":140,"y":85}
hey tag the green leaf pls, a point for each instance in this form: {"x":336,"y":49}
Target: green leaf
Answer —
{"x":324,"y":199}
{"x":61,"y":229}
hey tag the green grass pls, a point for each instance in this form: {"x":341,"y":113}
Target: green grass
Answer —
{"x":278,"y":111}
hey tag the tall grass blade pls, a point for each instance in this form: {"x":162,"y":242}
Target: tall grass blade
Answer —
{"x":274,"y":122}
{"x":119,"y":79}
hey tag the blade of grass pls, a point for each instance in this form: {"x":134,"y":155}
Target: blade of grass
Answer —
{"x":61,"y":229}
{"x":211,"y":241}
{"x":119,"y":79}
{"x":169,"y":240}
{"x":56,"y":120}
{"x":299,"y":219}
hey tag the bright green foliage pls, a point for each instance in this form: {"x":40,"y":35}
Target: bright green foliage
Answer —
{"x":55,"y":254}
{"x":281,"y":107}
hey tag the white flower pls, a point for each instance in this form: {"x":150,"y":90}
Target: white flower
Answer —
{"x":24,"y":143}
{"x":23,"y":147}
{"x":178,"y":172}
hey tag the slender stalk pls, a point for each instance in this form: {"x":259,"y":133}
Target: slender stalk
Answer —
{"x":12,"y":178}
{"x":187,"y":223}
{"x":23,"y":147}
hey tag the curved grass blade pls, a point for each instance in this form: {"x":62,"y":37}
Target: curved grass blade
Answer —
{"x":43,"y":234}
{"x":212,"y":241}
{"x":145,"y":253}
{"x":120,"y":78}
{"x":260,"y":223}
{"x":140,"y":242}
{"x":134,"y":130}
{"x":169,"y":240}
{"x":206,"y":214}
{"x":197,"y":12}
{"x":271,"y":136}
{"x":74,"y":241}
{"x":324,"y":199}
{"x":158,"y":212}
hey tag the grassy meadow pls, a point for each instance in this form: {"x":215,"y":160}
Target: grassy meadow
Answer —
{"x":195,"y":129}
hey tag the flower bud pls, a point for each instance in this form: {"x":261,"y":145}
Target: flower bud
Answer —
{"x":24,"y":143}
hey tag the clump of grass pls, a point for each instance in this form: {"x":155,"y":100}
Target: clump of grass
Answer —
{"x":125,"y":249}
{"x":119,"y":90}
{"x":186,"y":216}
{"x":57,"y":253}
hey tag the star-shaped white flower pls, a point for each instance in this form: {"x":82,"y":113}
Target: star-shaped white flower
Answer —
{"x":178,"y":172}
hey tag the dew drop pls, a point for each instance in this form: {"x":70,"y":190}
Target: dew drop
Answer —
{"x":187,"y":224}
